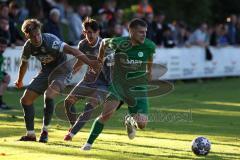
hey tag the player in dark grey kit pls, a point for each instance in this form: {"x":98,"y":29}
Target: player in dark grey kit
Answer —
{"x":50,"y":51}
{"x":92,"y":86}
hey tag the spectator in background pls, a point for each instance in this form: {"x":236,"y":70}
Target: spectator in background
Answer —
{"x":4,"y":77}
{"x":16,"y":13}
{"x":238,"y":31}
{"x":159,"y":26}
{"x":144,"y":8}
{"x":4,"y":10}
{"x":109,"y":9}
{"x":151,"y":30}
{"x":14,"y":24}
{"x":168,"y":40}
{"x":117,"y":17}
{"x":88,"y":11}
{"x":23,"y":12}
{"x":232,"y":29}
{"x":116,"y":30}
{"x":82,"y":11}
{"x":74,"y":24}
{"x":53,"y":22}
{"x":219,"y":36}
{"x":4,"y":30}
{"x":182,"y":34}
{"x":200,"y":36}
{"x":14,"y":35}
{"x":103,"y":23}
{"x":35,"y":9}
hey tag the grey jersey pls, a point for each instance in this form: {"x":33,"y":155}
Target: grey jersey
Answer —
{"x":92,"y":53}
{"x":49,"y":53}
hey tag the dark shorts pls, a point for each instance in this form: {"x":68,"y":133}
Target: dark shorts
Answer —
{"x":96,"y":90}
{"x":40,"y":83}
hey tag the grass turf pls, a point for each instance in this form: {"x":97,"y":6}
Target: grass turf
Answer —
{"x":210,"y":108}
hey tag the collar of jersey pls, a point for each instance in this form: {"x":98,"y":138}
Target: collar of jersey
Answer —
{"x":96,"y":43}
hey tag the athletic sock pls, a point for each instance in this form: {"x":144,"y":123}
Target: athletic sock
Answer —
{"x":29,"y":116}
{"x":96,"y":129}
{"x":83,"y":118}
{"x":48,"y":111}
{"x":71,"y":112}
{"x":45,"y":128}
{"x":31,"y":133}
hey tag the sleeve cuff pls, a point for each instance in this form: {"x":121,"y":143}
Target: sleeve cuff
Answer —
{"x":62,"y":46}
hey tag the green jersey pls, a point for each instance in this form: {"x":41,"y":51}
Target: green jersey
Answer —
{"x":132,"y":58}
{"x":129,"y":70}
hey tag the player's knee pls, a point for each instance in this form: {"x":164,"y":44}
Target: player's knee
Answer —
{"x":68,"y":102}
{"x":49,"y":94}
{"x":104,"y":118}
{"x":26,"y":101}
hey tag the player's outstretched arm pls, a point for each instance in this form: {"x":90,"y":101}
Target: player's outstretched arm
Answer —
{"x":21,"y":73}
{"x":102,"y":50}
{"x":82,"y":57}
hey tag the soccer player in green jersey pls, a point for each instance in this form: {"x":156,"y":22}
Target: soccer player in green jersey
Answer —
{"x":130,"y":75}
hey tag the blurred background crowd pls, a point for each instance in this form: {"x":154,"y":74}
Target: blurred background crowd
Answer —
{"x":64,"y":19}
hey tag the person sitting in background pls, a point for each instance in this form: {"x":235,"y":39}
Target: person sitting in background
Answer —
{"x":52,"y":25}
{"x":4,"y":77}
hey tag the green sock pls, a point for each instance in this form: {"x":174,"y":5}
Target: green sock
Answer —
{"x":96,"y":129}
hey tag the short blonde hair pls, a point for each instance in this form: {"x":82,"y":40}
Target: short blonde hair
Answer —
{"x":30,"y":25}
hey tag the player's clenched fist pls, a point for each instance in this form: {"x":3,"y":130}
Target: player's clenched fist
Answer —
{"x":19,"y":84}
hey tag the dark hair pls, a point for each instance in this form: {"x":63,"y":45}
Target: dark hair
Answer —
{"x":13,"y":5}
{"x":90,"y":23}
{"x":137,"y":22}
{"x":3,"y":40}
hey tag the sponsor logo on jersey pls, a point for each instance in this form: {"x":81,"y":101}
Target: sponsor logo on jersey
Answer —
{"x":131,"y":61}
{"x":55,"y":45}
{"x":140,"y":54}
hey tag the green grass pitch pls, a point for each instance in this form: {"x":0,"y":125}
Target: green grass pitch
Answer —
{"x":210,"y":108}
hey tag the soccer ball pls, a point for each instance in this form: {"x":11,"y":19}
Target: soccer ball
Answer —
{"x":201,"y":146}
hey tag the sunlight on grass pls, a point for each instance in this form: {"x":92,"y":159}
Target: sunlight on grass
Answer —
{"x":213,"y":114}
{"x":222,"y":103}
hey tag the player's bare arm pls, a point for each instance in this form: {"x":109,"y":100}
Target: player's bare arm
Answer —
{"x":102,"y":51}
{"x":22,"y":70}
{"x":81,"y":57}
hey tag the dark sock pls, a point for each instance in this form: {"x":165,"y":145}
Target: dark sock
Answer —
{"x":70,"y":111}
{"x":48,"y":111}
{"x":83,"y":118}
{"x":29,"y":116}
{"x":96,"y":129}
